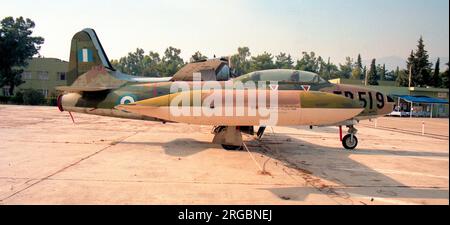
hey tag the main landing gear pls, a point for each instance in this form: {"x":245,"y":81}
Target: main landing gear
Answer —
{"x":230,"y":137}
{"x":260,"y":132}
{"x":349,"y":141}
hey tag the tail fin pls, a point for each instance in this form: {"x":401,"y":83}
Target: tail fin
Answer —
{"x":86,"y":52}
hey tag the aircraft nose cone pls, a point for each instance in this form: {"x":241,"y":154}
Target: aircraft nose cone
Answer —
{"x":320,"y":108}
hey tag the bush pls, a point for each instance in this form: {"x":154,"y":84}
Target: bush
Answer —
{"x":18,"y":98}
{"x":52,"y":101}
{"x":33,"y":97}
{"x":4,"y":99}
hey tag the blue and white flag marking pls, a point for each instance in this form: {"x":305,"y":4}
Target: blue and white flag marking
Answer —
{"x":85,"y":55}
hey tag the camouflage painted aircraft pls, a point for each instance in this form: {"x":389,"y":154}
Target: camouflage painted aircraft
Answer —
{"x":303,"y":98}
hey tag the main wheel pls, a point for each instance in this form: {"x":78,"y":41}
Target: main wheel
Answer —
{"x":232,"y":147}
{"x":349,"y":143}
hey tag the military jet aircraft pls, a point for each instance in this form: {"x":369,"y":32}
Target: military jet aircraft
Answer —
{"x":298,"y":98}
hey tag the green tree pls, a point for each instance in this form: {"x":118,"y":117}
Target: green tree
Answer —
{"x":357,"y":69}
{"x":152,"y":65}
{"x":381,"y":70}
{"x":197,"y":56}
{"x":283,"y":61}
{"x":373,"y":76}
{"x":396,"y":74}
{"x":116,"y":64}
{"x":363,"y":74}
{"x":402,"y":78}
{"x":390,"y":75}
{"x":356,"y":73}
{"x":16,"y":47}
{"x":410,"y":65}
{"x":171,"y":61}
{"x":359,"y":62}
{"x":436,"y":80}
{"x":308,"y":62}
{"x":445,"y":78}
{"x":423,"y":66}
{"x":33,"y":97}
{"x":239,"y":62}
{"x":133,"y":63}
{"x":327,"y":70}
{"x":419,"y":63}
{"x":138,"y":64}
{"x":322,"y":66}
{"x":17,"y":98}
{"x":346,"y":68}
{"x":262,"y":62}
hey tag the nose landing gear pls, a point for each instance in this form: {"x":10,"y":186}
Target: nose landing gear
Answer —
{"x":349,"y":141}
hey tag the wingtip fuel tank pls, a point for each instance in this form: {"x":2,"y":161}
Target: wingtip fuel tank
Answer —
{"x":292,"y":108}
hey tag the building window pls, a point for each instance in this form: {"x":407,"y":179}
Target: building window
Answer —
{"x":26,"y":76}
{"x":43,"y":75}
{"x":61,"y":76}
{"x":44,"y":92}
{"x":6,"y":91}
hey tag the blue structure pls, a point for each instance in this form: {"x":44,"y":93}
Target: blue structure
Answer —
{"x":420,"y":100}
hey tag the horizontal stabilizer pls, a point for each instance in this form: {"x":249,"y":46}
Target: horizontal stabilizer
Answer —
{"x":82,"y":89}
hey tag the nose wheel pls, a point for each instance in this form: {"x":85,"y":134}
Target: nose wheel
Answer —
{"x":349,"y":141}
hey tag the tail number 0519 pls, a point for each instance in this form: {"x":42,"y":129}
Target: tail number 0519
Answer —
{"x":362,"y":96}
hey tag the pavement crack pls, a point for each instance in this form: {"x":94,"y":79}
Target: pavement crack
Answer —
{"x":221,"y":183}
{"x":306,"y":175}
{"x":66,"y":167}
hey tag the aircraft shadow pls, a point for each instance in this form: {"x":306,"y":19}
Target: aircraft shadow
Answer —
{"x":335,"y":165}
{"x":312,"y":161}
{"x":181,"y":147}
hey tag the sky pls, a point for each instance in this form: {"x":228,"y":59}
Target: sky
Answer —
{"x":331,"y":28}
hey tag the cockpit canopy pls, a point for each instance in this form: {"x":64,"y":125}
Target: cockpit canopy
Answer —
{"x":283,"y":75}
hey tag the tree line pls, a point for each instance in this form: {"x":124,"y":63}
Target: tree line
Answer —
{"x":242,"y":62}
{"x":17,"y":46}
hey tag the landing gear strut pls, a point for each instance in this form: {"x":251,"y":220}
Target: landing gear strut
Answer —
{"x":260,"y":132}
{"x":230,"y":137}
{"x":349,"y":141}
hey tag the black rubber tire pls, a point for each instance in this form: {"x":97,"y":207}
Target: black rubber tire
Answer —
{"x":232,"y":147}
{"x":346,"y":142}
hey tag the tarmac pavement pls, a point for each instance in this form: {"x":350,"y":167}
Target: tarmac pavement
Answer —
{"x":46,"y":159}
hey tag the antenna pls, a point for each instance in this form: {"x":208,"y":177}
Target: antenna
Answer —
{"x":366,"y":78}
{"x":410,"y":76}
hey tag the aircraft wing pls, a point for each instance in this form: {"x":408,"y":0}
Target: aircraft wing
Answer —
{"x":82,"y":89}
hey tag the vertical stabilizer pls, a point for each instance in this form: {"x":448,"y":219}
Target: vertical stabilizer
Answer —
{"x":86,"y":52}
